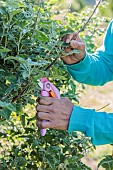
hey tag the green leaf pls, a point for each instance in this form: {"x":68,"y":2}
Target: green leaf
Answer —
{"x":71,"y":52}
{"x":19,"y":59}
{"x":41,"y":36}
{"x":7,"y":105}
{"x":107,"y":162}
{"x":57,"y":77}
{"x":5,"y":113}
{"x":9,"y":89}
{"x":25,"y":74}
{"x":22,"y":118}
{"x":73,"y":87}
{"x":37,"y":63}
{"x":46,"y":47}
{"x":1,"y":70}
{"x":2,"y":50}
{"x":14,"y":12}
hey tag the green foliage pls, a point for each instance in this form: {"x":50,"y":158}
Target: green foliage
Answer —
{"x":107,"y":9}
{"x":107,"y":162}
{"x":30,"y":40}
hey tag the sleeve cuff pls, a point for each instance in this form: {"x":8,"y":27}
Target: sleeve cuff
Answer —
{"x":81,"y":64}
{"x":82,"y":120}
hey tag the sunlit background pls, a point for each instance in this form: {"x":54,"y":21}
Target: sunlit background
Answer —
{"x":78,"y":5}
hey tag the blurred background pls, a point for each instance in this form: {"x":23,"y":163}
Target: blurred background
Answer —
{"x":78,"y":5}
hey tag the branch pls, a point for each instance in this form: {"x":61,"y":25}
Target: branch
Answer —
{"x":37,"y":17}
{"x":21,"y":93}
{"x":53,"y":62}
{"x":80,"y":30}
{"x":34,"y":26}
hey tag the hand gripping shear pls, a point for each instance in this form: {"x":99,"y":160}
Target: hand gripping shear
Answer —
{"x":48,"y":90}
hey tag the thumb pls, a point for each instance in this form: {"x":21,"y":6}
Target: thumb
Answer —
{"x":77,"y":45}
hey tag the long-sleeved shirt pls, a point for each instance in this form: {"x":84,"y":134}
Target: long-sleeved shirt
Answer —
{"x":95,"y":69}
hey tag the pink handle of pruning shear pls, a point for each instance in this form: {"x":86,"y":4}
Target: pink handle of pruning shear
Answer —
{"x":49,"y":90}
{"x":46,"y":94}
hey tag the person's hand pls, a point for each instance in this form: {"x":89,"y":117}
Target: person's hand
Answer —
{"x":75,"y":43}
{"x":55,"y":111}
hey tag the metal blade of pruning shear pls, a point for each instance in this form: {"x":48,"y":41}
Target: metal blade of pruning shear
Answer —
{"x":40,"y":84}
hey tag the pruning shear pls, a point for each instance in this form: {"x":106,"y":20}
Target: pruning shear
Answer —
{"x":48,"y":90}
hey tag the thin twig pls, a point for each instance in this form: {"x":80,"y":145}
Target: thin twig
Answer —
{"x":34,"y":26}
{"x":103,"y":107}
{"x":81,"y":29}
{"x":21,"y":93}
{"x":37,"y":20}
{"x":53,"y":62}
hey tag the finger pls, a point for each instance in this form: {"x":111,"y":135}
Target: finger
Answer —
{"x":70,"y":37}
{"x":65,"y":98}
{"x":75,"y":36}
{"x":77,"y":45}
{"x":46,"y":101}
{"x":68,"y":49}
{"x":43,"y":116}
{"x":75,"y":58}
{"x":66,"y":37}
{"x":43,"y":108}
{"x":44,"y":124}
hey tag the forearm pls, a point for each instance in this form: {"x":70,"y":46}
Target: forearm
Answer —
{"x":91,"y":70}
{"x":97,"y":125}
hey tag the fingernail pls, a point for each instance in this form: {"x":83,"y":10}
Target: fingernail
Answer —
{"x":68,"y":41}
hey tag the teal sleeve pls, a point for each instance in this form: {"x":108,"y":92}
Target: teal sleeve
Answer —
{"x":97,"y":68}
{"x":94,"y":69}
{"x":97,"y":125}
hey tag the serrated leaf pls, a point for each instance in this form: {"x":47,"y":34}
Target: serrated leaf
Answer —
{"x":71,"y":52}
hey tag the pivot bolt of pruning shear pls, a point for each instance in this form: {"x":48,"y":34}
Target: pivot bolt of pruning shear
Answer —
{"x":48,"y":85}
